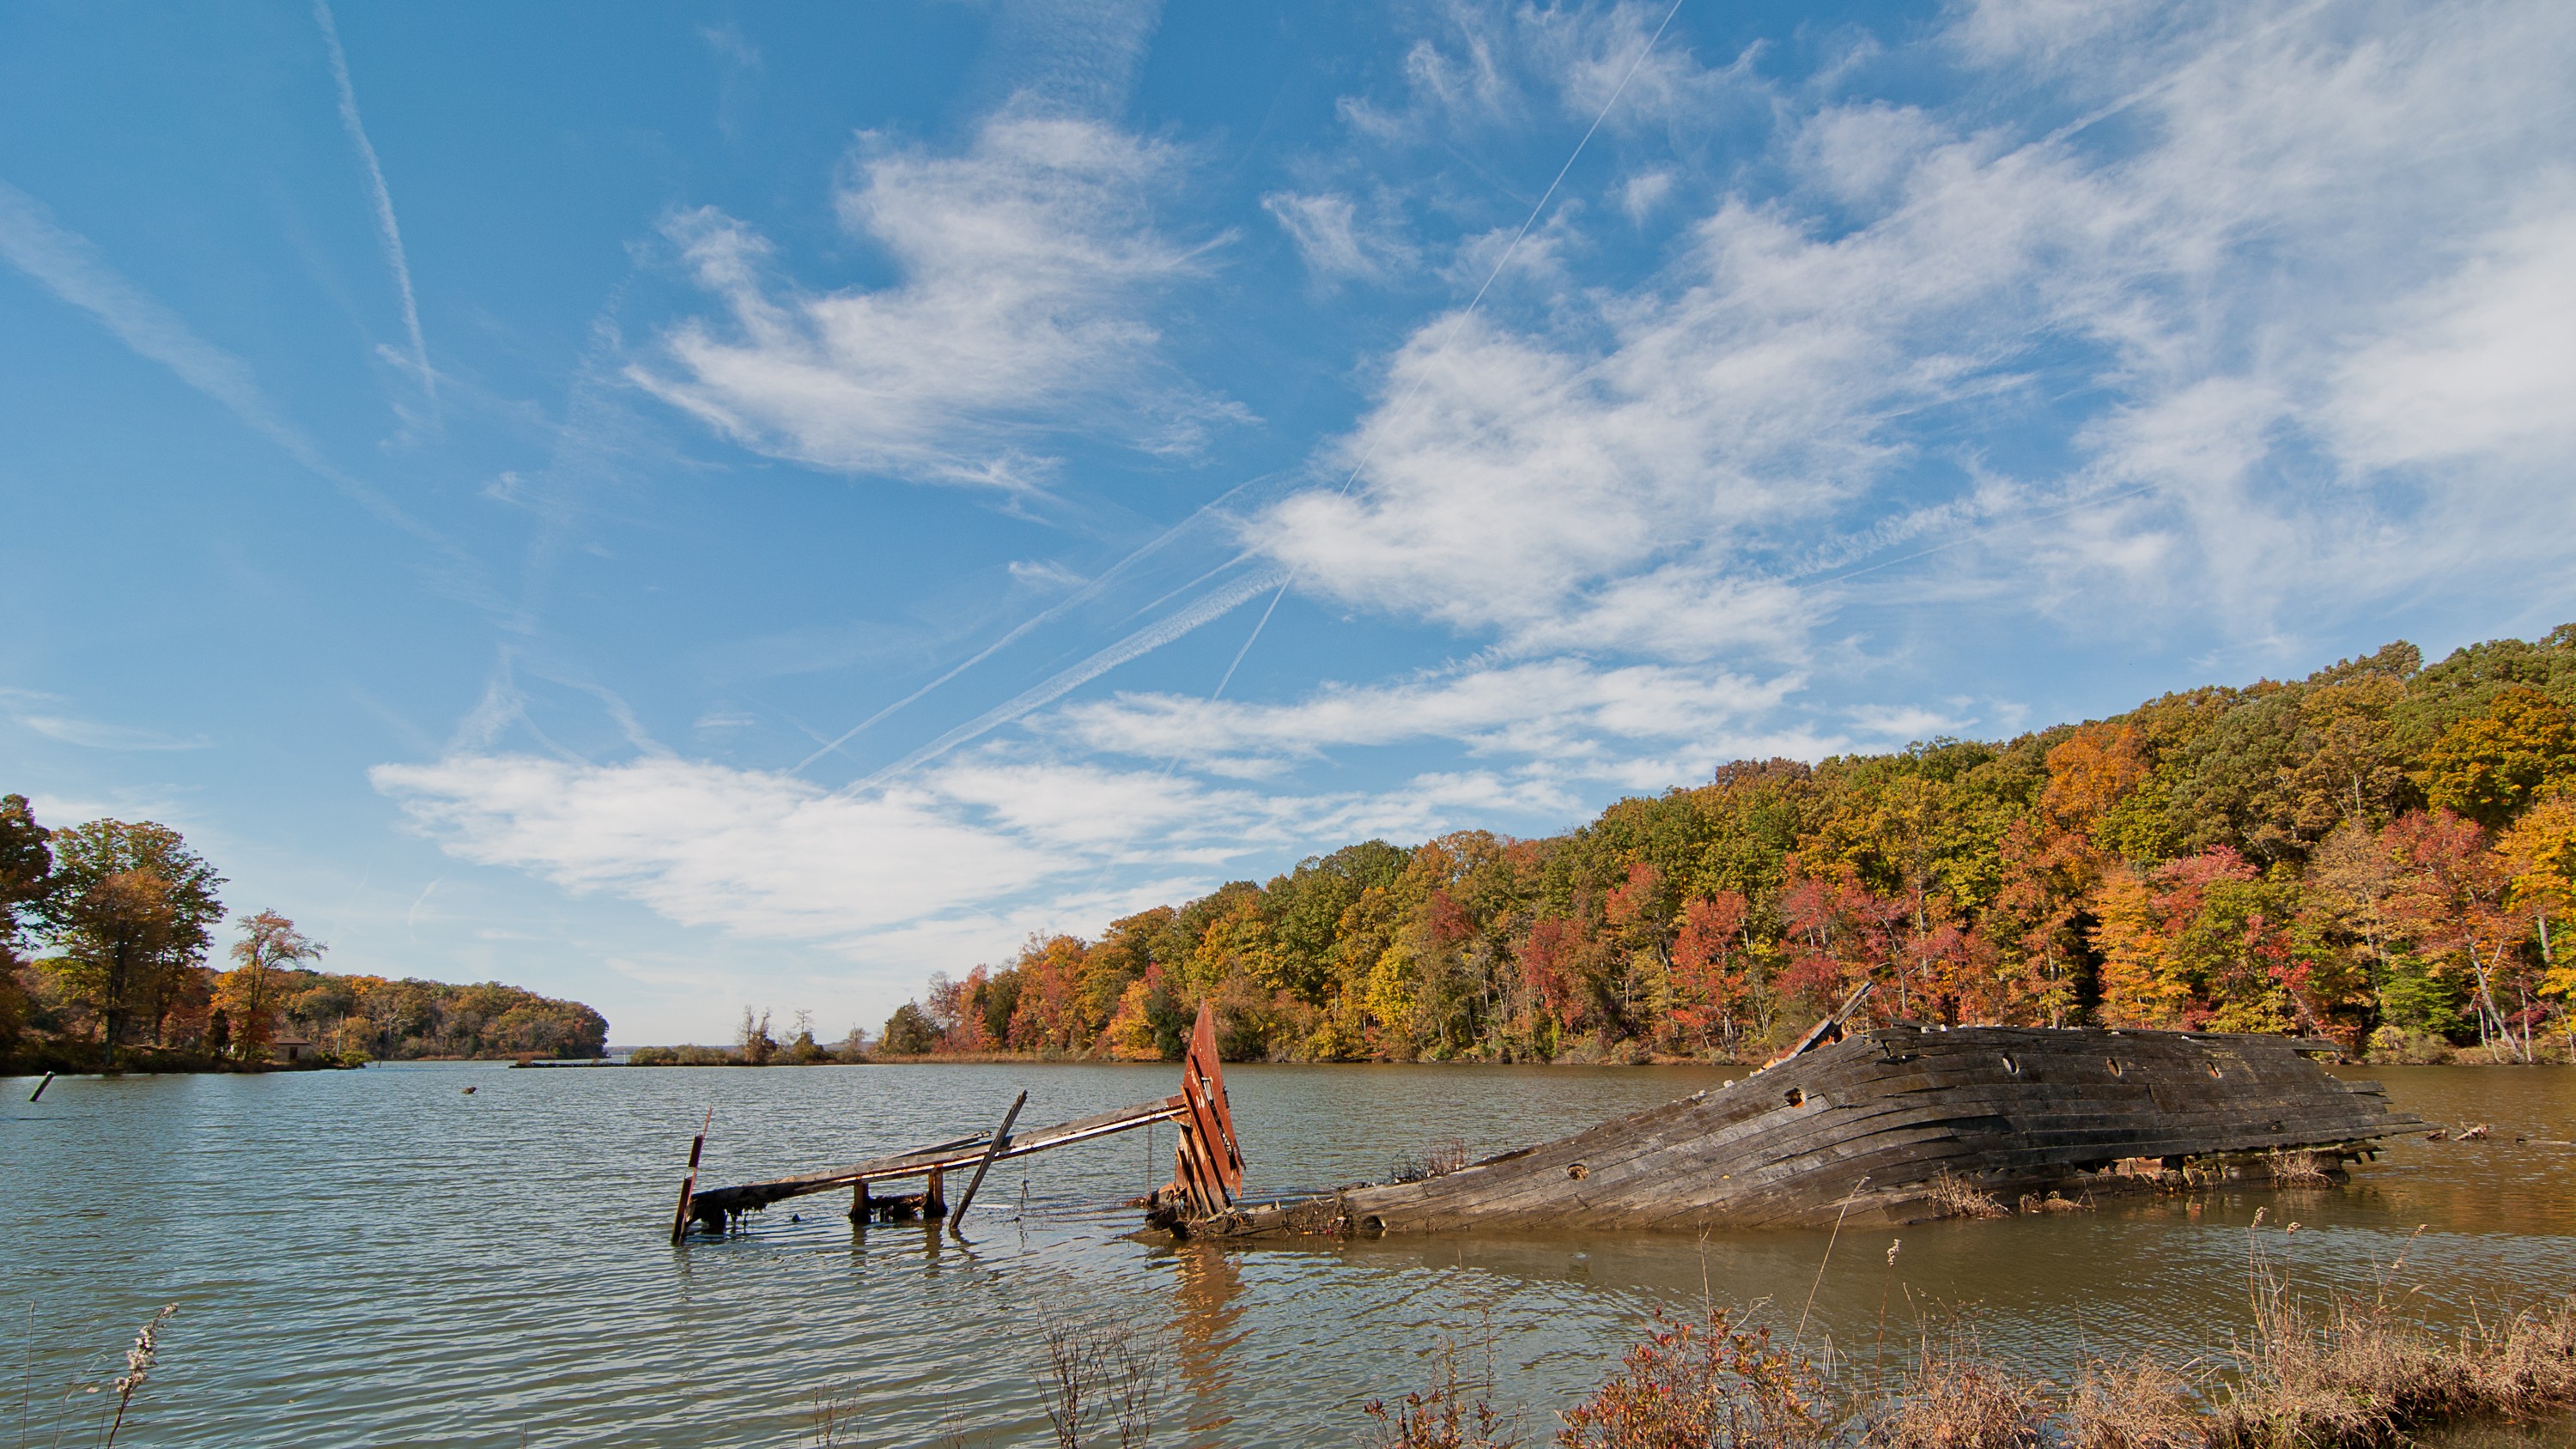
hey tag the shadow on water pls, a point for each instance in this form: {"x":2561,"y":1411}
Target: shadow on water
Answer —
{"x":378,"y":1257}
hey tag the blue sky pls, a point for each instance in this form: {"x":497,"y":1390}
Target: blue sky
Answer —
{"x":695,"y":506}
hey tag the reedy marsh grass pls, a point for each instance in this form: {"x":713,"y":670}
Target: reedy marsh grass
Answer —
{"x":2330,"y":1370}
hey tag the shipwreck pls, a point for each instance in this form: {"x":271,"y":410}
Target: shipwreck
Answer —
{"x":1893,"y":1122}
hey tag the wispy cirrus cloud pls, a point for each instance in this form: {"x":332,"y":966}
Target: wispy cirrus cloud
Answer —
{"x":71,"y":267}
{"x":1561,"y":709}
{"x":979,"y":851}
{"x":1028,"y":266}
{"x":45,"y":715}
{"x":2154,"y":301}
{"x":1333,"y":236}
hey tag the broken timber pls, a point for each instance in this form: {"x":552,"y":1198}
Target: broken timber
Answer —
{"x":1207,"y":1171}
{"x":1868,"y":1123}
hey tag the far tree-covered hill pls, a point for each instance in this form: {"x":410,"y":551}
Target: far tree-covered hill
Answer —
{"x":2380,"y":852}
{"x":119,"y":917}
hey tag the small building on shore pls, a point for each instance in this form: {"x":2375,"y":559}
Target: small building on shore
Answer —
{"x":289,"y":1048}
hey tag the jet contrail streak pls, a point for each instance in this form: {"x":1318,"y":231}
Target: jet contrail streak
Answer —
{"x":386,"y":230}
{"x":1206,"y":610}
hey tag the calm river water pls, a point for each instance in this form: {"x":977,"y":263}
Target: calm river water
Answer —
{"x":379,"y":1257}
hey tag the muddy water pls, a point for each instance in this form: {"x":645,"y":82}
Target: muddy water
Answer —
{"x":380,"y":1257}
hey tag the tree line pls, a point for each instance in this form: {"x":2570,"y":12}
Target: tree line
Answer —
{"x":2383,"y":853}
{"x":105,"y":929}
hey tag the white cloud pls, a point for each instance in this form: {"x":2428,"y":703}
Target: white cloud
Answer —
{"x":1027,"y":267}
{"x":2482,"y":362}
{"x":36,"y":710}
{"x":98,"y":735}
{"x":956,"y":863}
{"x":2264,"y":248}
{"x":1486,"y":66}
{"x":1642,"y":194}
{"x":1558,"y":708}
{"x":1332,"y":237}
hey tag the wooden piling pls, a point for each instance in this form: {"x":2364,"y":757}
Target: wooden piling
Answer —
{"x":689,"y":1184}
{"x":934,"y":1199}
{"x":861,"y":1208}
{"x":41,"y":1086}
{"x":1001,"y":1139}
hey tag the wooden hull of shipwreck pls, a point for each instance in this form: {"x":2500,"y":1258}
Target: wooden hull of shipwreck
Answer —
{"x":1870,"y":1125}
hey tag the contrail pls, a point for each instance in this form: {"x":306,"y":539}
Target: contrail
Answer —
{"x":70,"y":266}
{"x":1205,"y":610}
{"x":386,"y":230}
{"x":1085,"y":594}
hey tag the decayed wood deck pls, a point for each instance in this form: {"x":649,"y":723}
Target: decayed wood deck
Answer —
{"x":1207,"y":1163}
{"x":1867,"y":1124}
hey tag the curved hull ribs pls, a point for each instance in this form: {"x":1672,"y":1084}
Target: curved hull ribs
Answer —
{"x":1875,"y":1122}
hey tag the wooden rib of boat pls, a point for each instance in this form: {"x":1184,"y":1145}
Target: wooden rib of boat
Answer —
{"x":1886,"y":1124}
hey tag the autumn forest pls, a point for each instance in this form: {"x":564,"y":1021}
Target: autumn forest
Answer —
{"x":2382,"y":852}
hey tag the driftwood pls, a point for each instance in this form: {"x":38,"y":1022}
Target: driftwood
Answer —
{"x":1865,"y":1125}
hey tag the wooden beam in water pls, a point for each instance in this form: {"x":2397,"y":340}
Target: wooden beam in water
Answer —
{"x":1001,"y":1139}
{"x":688,"y":1184}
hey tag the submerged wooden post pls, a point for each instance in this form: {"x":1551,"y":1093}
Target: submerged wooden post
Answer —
{"x":992,"y":1149}
{"x":689,"y":1184}
{"x":861,"y":1208}
{"x":41,"y":1086}
{"x":934,"y":1199}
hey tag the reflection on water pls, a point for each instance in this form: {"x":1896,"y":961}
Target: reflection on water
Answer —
{"x":377,"y":1257}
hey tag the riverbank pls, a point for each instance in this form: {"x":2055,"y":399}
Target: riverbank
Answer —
{"x":82,"y":1059}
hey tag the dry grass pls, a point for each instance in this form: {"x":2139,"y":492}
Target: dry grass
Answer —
{"x":1954,"y":1197}
{"x":1453,"y":1413}
{"x":1954,"y":1398}
{"x":2350,"y":1372}
{"x":1438,"y":1160}
{"x":1101,"y":1378}
{"x":2137,"y":1405}
{"x":2300,"y":1169}
{"x":2343,"y":1372}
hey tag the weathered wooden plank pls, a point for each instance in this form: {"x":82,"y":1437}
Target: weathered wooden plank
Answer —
{"x":689,"y":1184}
{"x":1001,"y":1139}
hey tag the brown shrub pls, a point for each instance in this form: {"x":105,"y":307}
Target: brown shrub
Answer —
{"x":1708,"y":1386}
